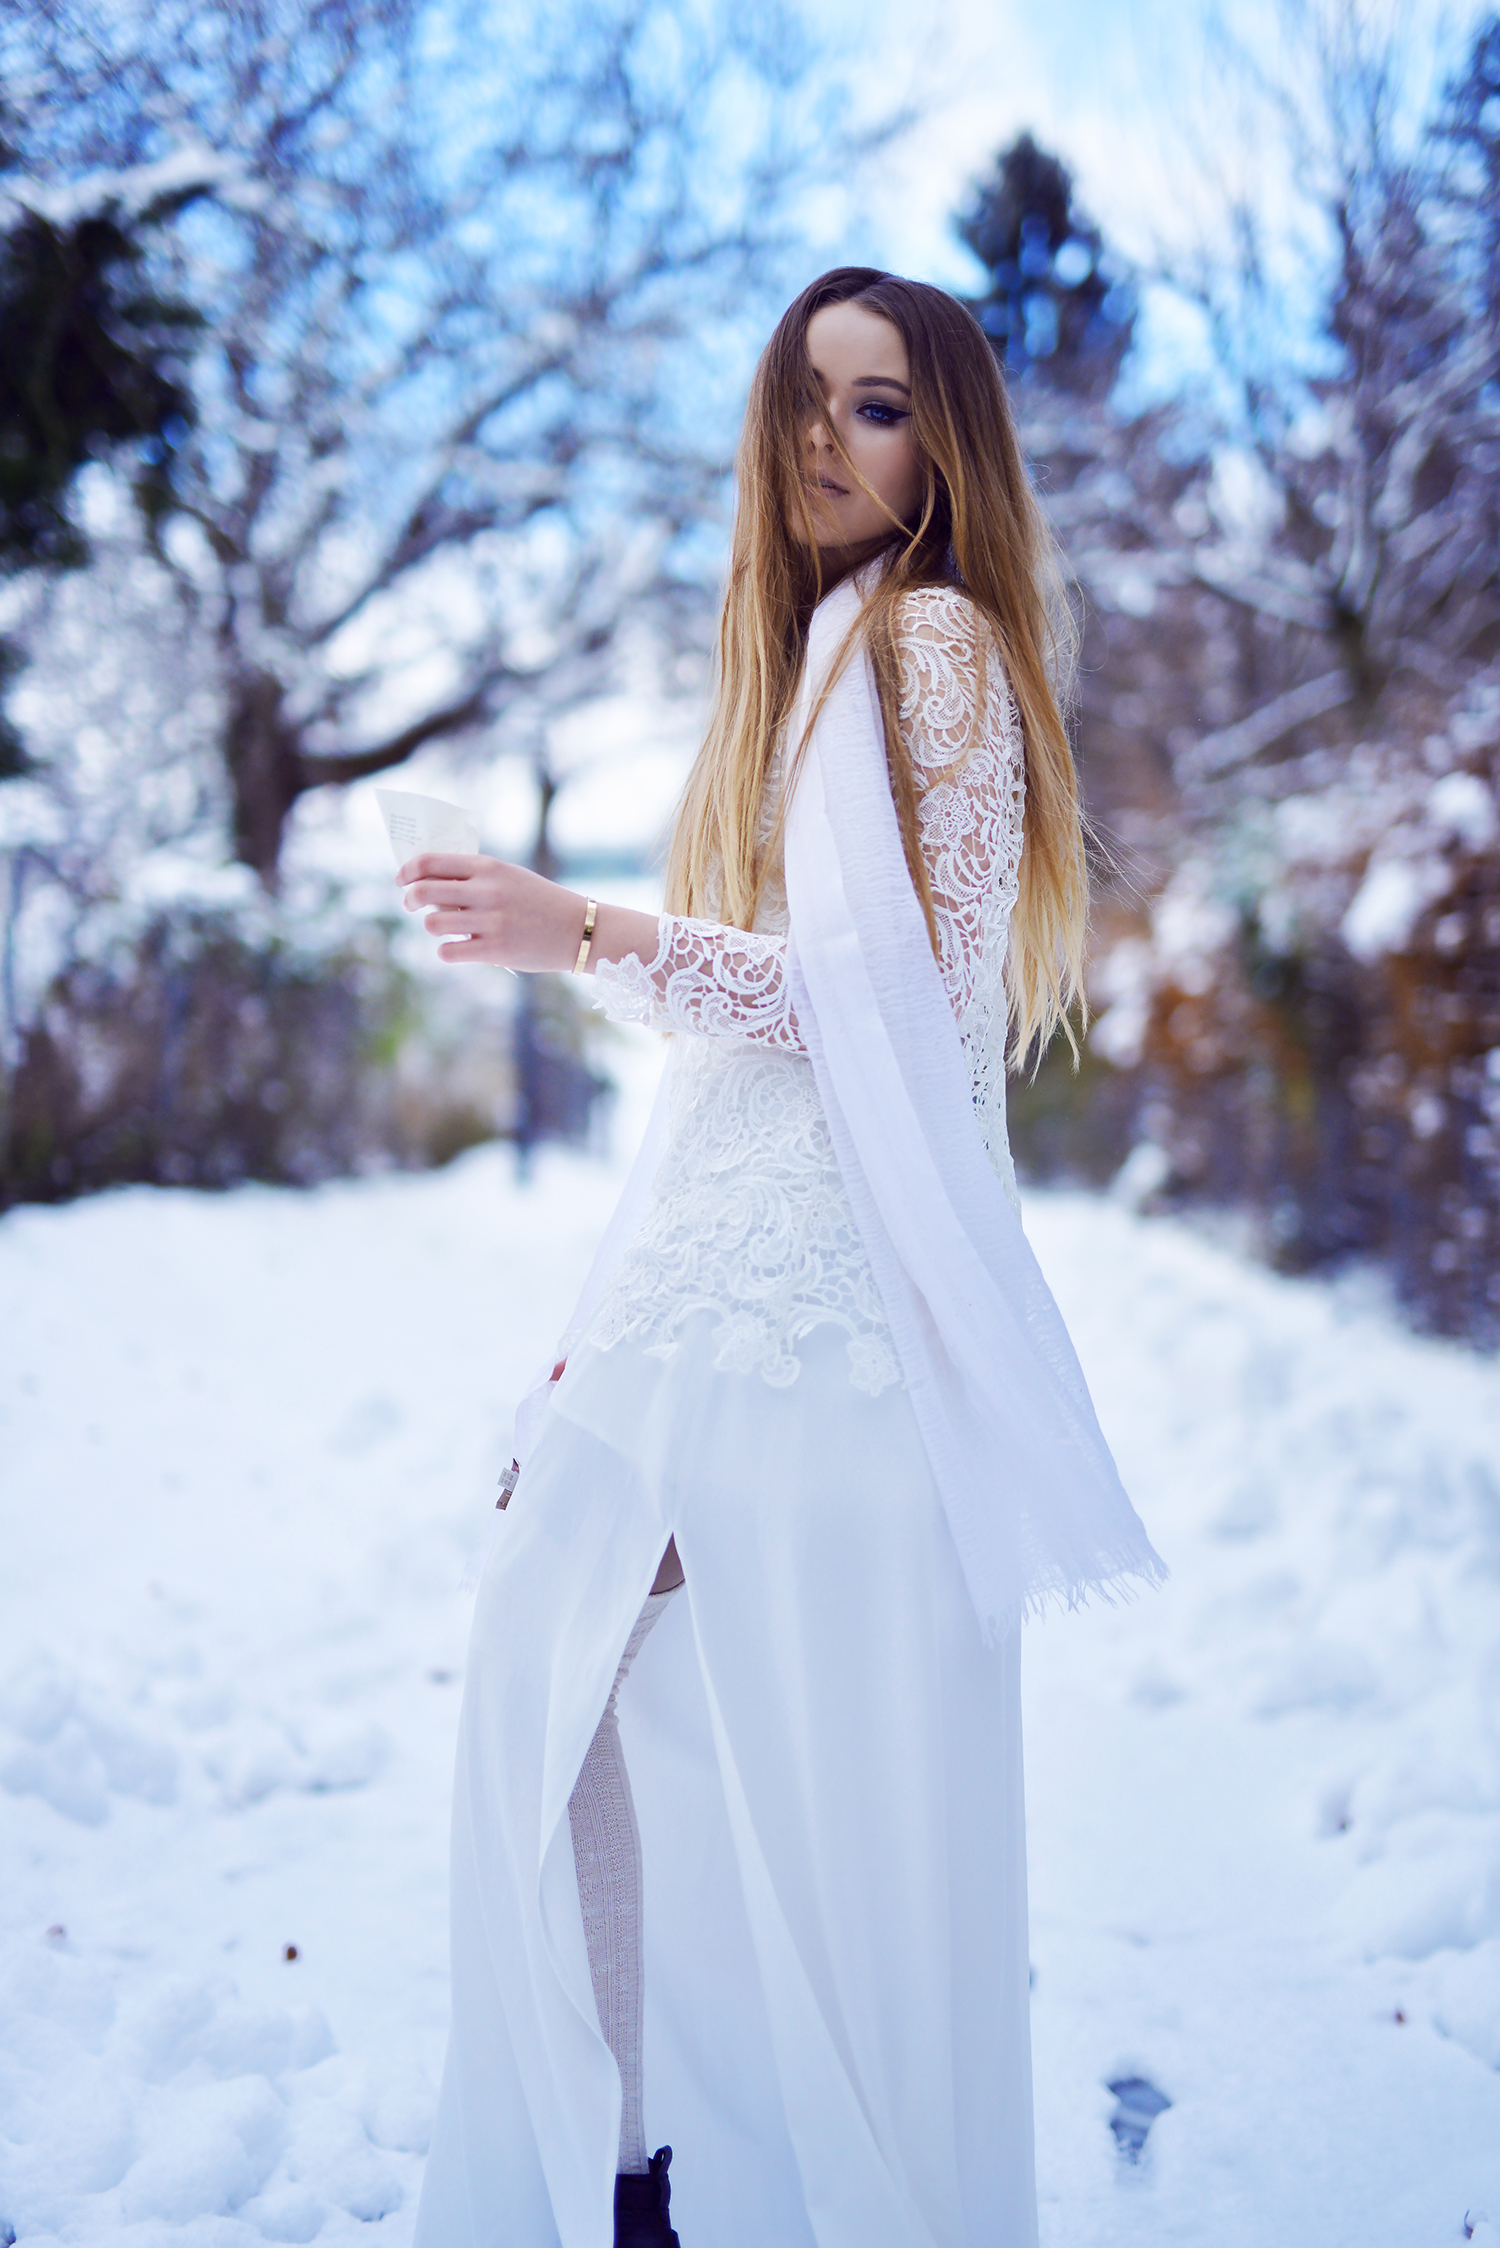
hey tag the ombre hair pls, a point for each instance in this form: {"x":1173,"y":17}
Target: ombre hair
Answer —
{"x":978,"y":528}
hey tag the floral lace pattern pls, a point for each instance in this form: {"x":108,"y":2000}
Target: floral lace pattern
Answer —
{"x":750,"y":1219}
{"x":709,"y":980}
{"x":963,"y":730}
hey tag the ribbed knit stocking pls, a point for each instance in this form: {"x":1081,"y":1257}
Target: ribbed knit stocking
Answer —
{"x":607,"y":1855}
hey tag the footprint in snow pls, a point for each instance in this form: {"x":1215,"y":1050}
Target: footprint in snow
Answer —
{"x":1137,"y":2106}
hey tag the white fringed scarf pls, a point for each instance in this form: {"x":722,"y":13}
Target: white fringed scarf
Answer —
{"x":1030,"y":1490}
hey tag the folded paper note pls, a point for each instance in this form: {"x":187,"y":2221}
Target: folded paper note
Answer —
{"x":425,"y":823}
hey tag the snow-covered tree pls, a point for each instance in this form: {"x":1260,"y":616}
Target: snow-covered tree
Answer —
{"x":480,"y":285}
{"x":1369,"y":431}
{"x":1311,"y":1006}
{"x":475,"y":282}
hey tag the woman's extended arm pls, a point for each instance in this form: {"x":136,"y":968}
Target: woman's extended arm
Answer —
{"x":710,"y":980}
{"x":680,"y":974}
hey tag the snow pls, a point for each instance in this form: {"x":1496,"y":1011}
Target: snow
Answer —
{"x":1122,"y":984}
{"x":1190,"y":926}
{"x":1460,"y":805}
{"x":1409,"y":869}
{"x":137,"y":189}
{"x":1388,"y":904}
{"x":250,"y":1439}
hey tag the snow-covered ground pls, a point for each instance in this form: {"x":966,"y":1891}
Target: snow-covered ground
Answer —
{"x":248,"y":1442}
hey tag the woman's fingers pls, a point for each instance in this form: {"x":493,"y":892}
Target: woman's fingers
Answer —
{"x":432,"y":892}
{"x":442,"y":865}
{"x":450,"y":921}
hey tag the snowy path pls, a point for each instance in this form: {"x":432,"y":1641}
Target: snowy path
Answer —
{"x":247,"y":1443}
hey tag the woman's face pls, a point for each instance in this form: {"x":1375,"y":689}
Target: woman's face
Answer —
{"x":860,"y":365}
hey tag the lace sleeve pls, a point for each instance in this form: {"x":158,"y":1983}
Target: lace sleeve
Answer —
{"x":708,"y":979}
{"x":959,"y":720}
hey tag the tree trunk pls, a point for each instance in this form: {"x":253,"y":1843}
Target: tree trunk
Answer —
{"x":265,"y":771}
{"x":544,"y":859}
{"x":269,"y":769}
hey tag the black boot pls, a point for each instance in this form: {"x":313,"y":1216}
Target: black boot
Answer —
{"x":642,"y":2205}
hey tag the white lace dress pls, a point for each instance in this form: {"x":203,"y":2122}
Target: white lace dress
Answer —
{"x":751,"y":1221}
{"x":825,"y":1754}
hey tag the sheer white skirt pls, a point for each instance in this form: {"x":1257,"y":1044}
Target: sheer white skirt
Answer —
{"x":826,"y":1762}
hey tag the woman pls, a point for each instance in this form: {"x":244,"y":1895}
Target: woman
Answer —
{"x":816,"y":1426}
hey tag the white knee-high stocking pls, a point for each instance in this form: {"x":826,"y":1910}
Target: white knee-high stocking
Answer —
{"x":607,"y":1855}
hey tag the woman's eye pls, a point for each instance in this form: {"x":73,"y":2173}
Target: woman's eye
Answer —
{"x":884,"y":416}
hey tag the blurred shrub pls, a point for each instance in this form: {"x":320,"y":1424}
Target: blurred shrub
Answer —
{"x":197,"y":1055}
{"x":1310,"y":1028}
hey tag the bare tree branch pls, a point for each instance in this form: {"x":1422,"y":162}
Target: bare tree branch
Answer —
{"x":361,"y":764}
{"x":1237,"y":744}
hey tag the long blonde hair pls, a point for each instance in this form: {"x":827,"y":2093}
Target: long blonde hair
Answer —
{"x":978,"y":528}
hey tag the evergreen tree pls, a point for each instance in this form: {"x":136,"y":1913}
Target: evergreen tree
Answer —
{"x":89,"y":361}
{"x":1057,"y":300}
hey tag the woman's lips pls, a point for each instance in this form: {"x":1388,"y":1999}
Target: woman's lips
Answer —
{"x":826,"y":484}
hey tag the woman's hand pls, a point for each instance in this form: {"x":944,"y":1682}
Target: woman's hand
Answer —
{"x":492,"y":913}
{"x":502,"y":916}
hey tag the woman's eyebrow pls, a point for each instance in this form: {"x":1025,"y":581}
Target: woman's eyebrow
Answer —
{"x":880,"y":382}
